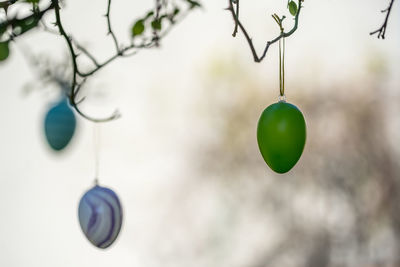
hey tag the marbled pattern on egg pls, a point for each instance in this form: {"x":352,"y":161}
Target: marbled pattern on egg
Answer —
{"x":100,"y":216}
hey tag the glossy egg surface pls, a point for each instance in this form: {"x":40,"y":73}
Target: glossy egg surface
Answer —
{"x":100,"y":216}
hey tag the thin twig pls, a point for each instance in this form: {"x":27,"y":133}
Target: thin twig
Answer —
{"x":78,"y":46}
{"x":70,"y":47}
{"x":48,"y":29}
{"x":121,"y":51}
{"x":235,"y":30}
{"x":74,"y":87}
{"x":110,"y":31}
{"x":382,"y":30}
{"x":131,"y":49}
{"x":87,"y":53}
{"x":250,"y":41}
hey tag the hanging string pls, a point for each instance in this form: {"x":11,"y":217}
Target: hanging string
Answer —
{"x":282,"y":68}
{"x":96,"y":146}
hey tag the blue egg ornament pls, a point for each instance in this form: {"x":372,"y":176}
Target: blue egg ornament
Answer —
{"x":100,"y":216}
{"x":59,"y":125}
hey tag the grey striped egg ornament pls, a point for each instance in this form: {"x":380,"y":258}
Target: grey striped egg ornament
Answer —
{"x":100,"y":216}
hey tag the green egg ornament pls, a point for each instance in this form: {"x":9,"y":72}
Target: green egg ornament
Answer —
{"x":281,"y":136}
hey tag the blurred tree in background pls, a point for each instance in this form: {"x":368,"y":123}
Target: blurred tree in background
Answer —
{"x":340,"y":208}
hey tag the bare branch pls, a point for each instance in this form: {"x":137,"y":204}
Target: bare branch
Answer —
{"x":132,"y":49}
{"x":236,"y":20}
{"x":74,"y":87}
{"x":110,"y":31}
{"x":256,"y":57}
{"x":121,"y":51}
{"x":382,"y":30}
{"x":142,"y":39}
{"x":87,"y":53}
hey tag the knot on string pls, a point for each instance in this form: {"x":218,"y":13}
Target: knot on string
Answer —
{"x":281,"y":98}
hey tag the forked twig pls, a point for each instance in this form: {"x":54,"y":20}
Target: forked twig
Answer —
{"x":382,"y":30}
{"x":238,"y":24}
